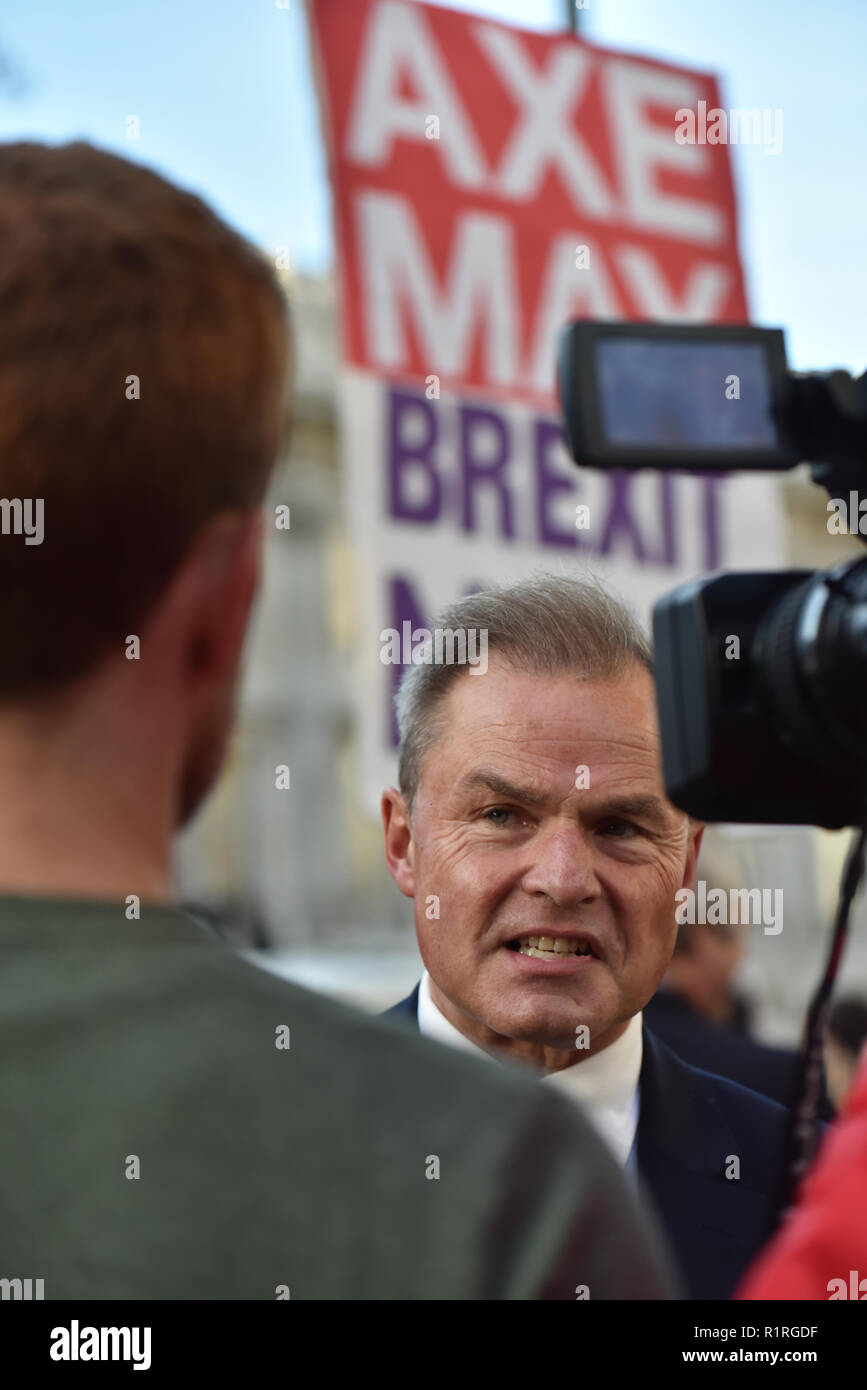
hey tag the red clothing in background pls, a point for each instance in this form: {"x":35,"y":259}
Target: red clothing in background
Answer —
{"x":825,"y":1237}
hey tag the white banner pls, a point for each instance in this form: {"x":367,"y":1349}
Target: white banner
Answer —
{"x":453,"y":494}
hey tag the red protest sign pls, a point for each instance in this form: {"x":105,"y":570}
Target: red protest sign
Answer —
{"x":490,"y":184}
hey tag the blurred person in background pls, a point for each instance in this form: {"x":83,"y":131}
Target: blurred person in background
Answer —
{"x":178,"y":1123}
{"x":847,"y":1034}
{"x":694,"y":1012}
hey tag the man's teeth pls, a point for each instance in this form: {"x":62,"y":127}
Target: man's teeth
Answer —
{"x":552,"y":946}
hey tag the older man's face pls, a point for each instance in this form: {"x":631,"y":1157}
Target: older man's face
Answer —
{"x":528,"y":857}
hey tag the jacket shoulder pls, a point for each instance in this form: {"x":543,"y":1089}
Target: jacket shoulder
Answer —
{"x":405,"y":1008}
{"x":696,"y":1102}
{"x":744,"y":1104}
{"x":731,"y":1095}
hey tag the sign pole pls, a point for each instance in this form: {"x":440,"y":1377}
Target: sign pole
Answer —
{"x":571,"y":16}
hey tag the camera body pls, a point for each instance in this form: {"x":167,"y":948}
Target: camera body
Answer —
{"x":669,"y":396}
{"x":761,"y":678}
{"x":758,"y":679}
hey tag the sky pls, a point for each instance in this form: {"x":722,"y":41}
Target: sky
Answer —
{"x":224,"y":95}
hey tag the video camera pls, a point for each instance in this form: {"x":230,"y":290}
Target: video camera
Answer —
{"x":770,"y":727}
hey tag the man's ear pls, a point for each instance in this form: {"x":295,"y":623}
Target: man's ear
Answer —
{"x":399,"y":848}
{"x":695,"y":832}
{"x":208,"y":603}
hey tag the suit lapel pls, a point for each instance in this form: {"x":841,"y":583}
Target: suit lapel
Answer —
{"x":685,"y":1148}
{"x":406,"y":1009}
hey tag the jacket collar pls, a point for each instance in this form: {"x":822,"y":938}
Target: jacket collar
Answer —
{"x":680,"y":1123}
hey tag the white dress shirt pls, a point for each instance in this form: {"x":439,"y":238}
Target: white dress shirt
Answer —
{"x":606,"y":1083}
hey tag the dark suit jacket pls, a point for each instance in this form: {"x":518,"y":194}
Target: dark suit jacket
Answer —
{"x":691,"y":1126}
{"x":772,"y":1071}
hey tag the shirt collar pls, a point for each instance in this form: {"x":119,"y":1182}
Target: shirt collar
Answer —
{"x":605,"y":1082}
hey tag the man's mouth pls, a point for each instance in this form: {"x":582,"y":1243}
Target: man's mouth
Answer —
{"x":550,"y":947}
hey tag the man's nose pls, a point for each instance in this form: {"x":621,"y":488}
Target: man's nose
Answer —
{"x":562,"y":867}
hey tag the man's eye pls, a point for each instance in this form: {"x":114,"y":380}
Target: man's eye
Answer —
{"x":500,"y":815}
{"x":621,"y":825}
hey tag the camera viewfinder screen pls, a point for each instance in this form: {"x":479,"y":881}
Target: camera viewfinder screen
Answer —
{"x":681,"y":395}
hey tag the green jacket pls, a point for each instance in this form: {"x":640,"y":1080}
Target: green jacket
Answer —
{"x":179,"y":1124}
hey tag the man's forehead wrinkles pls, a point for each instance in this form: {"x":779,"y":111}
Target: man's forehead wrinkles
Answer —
{"x":520,"y":779}
{"x":554,"y":758}
{"x":560,"y":731}
{"x":551,"y":770}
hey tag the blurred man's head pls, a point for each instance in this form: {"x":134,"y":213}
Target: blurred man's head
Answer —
{"x":705,"y":962}
{"x":844,"y":1045}
{"x":531,"y":805}
{"x":143,"y":361}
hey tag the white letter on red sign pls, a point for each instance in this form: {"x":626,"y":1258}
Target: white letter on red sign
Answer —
{"x":704,"y":293}
{"x":564,"y":295}
{"x":545,"y":135}
{"x":399,"y":42}
{"x":641,"y":147}
{"x":397,"y":278}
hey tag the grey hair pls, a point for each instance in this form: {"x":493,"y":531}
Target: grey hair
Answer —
{"x":546,"y":624}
